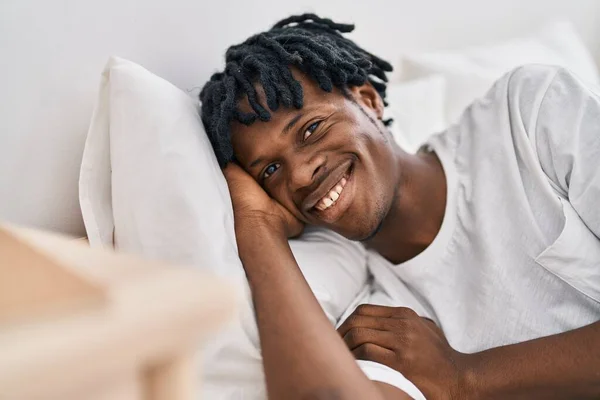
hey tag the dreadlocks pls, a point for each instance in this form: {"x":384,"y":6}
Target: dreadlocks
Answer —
{"x":313,"y":45}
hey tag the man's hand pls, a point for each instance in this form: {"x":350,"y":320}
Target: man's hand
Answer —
{"x":415,"y":346}
{"x":252,"y":206}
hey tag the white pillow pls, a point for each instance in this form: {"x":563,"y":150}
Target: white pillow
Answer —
{"x":470,"y":72}
{"x":150,"y":184}
{"x":418,"y":110}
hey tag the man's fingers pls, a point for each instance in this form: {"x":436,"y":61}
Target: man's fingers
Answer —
{"x":374,"y":310}
{"x":363,"y":321}
{"x":385,"y":312}
{"x":372,"y":316}
{"x":373,"y":352}
{"x":234,"y":173}
{"x":357,"y":337}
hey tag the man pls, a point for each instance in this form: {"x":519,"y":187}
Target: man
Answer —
{"x":492,"y":227}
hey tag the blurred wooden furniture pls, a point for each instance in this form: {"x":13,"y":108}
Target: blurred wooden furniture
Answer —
{"x":79,"y":323}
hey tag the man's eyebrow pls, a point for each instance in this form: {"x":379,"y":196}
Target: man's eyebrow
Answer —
{"x":256,"y":162}
{"x":286,"y":129}
{"x":291,"y":124}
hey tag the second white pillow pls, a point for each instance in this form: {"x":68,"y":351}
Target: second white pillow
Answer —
{"x":470,"y":72}
{"x":418,"y":110}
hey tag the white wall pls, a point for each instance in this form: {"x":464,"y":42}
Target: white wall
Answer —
{"x":53,"y":52}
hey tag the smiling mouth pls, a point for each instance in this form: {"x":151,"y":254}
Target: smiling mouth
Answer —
{"x":333,"y":195}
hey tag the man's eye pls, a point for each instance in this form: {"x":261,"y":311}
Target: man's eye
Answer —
{"x":270,"y":170}
{"x":313,"y":127}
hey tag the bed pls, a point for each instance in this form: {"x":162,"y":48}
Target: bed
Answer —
{"x":57,"y":97}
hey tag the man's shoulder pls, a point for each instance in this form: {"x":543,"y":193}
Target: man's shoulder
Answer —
{"x":533,"y":73}
{"x":540,"y":93}
{"x":521,"y":90}
{"x":528,"y":84}
{"x":511,"y":107}
{"x":525,"y":89}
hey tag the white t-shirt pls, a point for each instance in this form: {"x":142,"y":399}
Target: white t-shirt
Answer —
{"x":518,"y":253}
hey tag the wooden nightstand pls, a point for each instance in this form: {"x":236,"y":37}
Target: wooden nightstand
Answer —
{"x":79,"y":323}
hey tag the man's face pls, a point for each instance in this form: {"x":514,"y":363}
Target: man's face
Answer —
{"x":330,"y":163}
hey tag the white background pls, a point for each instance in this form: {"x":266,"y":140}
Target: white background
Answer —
{"x":52,"y":53}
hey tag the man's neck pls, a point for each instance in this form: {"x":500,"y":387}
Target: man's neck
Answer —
{"x":417,"y":212}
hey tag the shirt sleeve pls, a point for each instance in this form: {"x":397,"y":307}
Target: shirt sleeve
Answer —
{"x":382,"y":373}
{"x":566,"y":136}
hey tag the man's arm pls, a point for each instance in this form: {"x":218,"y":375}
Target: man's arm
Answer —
{"x":563,"y":366}
{"x":303,"y":356}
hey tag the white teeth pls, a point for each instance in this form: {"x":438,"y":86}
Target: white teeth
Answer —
{"x":330,"y":198}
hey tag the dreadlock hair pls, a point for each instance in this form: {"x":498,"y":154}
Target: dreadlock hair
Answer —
{"x":307,"y":42}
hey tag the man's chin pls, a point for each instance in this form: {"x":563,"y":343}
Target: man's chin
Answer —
{"x":371,"y":228}
{"x":360,"y":234}
{"x":363,"y":229}
{"x":373,"y":232}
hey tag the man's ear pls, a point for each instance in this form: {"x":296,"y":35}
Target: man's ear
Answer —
{"x":368,"y":97}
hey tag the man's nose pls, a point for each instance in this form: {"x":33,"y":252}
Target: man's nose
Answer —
{"x":305,"y":170}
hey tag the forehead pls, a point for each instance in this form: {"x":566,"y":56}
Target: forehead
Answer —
{"x":250,"y":140}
